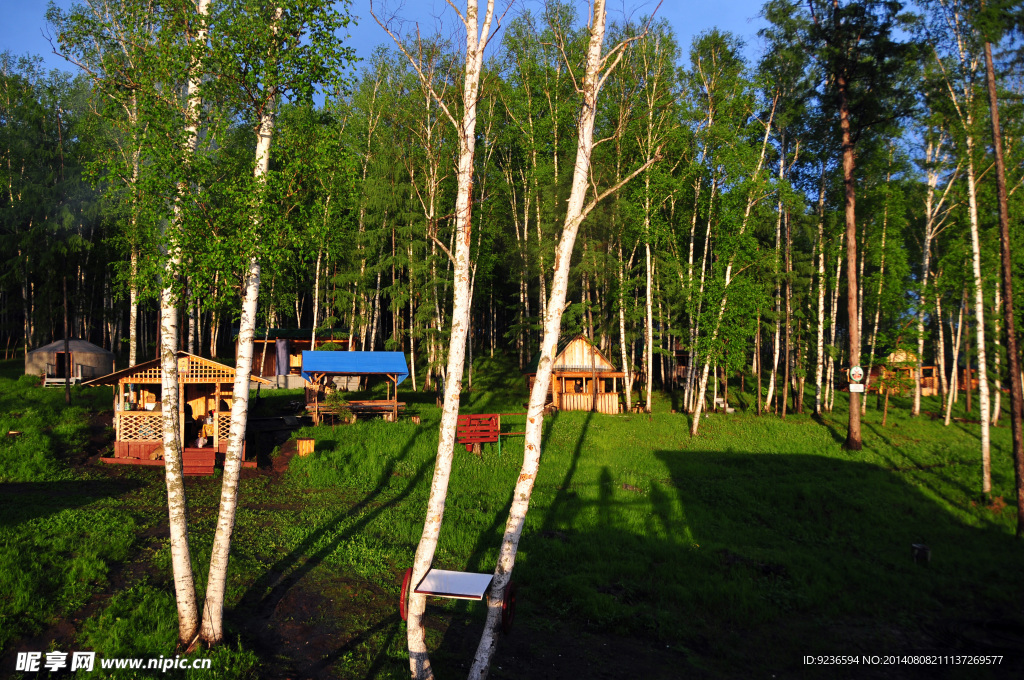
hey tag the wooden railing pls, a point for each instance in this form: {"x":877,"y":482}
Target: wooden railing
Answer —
{"x":139,"y":426}
{"x":607,"y":402}
{"x":223,"y":426}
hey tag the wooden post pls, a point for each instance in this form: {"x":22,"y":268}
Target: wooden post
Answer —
{"x":181,"y":409}
{"x":216,"y":416}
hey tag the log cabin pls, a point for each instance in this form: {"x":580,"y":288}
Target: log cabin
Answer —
{"x":581,"y":372}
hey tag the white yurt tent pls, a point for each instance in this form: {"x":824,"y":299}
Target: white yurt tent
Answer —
{"x":83,"y":359}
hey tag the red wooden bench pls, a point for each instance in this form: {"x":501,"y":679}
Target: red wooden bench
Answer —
{"x":482,"y":428}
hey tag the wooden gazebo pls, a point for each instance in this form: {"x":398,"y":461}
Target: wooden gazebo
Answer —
{"x":319,"y":369}
{"x":204,"y":386}
{"x":581,"y":373}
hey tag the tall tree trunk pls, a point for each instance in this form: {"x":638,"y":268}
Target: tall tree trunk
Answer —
{"x":184,"y":584}
{"x":784,"y":392}
{"x":878,"y":301}
{"x":778,"y":285}
{"x":68,"y":364}
{"x":648,"y":330}
{"x":213,"y":610}
{"x":819,"y":355}
{"x":576,"y":211}
{"x":133,"y":309}
{"x":979,"y":320}
{"x":627,"y":381}
{"x":757,"y":357}
{"x":955,"y":378}
{"x":997,"y":379}
{"x":944,"y":385}
{"x":853,"y":437}
{"x":1016,"y":398}
{"x":477,"y":36}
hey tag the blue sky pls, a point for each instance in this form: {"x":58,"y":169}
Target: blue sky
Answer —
{"x":22,"y":23}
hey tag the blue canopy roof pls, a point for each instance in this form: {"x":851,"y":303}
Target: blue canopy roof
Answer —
{"x":355,"y":363}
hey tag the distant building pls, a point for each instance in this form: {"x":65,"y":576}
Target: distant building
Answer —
{"x":279,"y":351}
{"x":581,"y":372}
{"x":83,"y":360}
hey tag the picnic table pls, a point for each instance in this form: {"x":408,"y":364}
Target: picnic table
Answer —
{"x":368,"y":407}
{"x":472,"y":430}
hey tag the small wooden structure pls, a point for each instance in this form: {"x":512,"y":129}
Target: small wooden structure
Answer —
{"x":83,"y":360}
{"x":203,"y":385}
{"x":904,"y":363}
{"x":280,"y":349}
{"x":319,"y":369}
{"x":581,"y":374}
{"x":929,"y":381}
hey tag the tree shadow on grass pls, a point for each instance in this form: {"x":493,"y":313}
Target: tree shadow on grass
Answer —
{"x":816,"y":536}
{"x":267,"y":591}
{"x":23,"y":501}
{"x":751,"y":561}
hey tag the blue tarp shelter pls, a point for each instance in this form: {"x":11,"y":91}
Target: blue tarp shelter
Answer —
{"x":318,"y":367}
{"x":391,"y":364}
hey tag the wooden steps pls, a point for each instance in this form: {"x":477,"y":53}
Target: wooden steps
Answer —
{"x":195,"y":462}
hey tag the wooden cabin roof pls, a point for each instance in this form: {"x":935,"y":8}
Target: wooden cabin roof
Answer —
{"x":577,"y":354}
{"x":191,"y":370}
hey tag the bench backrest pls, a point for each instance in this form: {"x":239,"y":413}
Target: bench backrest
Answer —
{"x":477,"y":428}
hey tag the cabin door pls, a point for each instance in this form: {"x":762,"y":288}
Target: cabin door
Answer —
{"x":63,"y":363}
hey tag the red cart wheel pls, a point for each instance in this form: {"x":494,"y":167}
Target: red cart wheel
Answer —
{"x":508,"y":608}
{"x":403,"y":602}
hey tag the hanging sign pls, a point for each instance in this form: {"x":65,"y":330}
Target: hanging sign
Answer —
{"x":856,"y":374}
{"x":183,"y":366}
{"x":856,"y":387}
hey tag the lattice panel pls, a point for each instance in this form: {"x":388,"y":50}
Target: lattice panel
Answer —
{"x":223,"y":426}
{"x":200,"y":371}
{"x":136,"y":427}
{"x":146,"y":375}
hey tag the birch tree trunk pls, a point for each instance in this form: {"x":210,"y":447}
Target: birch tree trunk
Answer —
{"x":944,"y":385}
{"x":576,"y":211}
{"x":878,"y":302}
{"x":778,"y":288}
{"x":477,"y":36}
{"x":819,"y":357}
{"x":954,"y":378}
{"x":979,"y":319}
{"x":627,"y":381}
{"x":213,"y":610}
{"x":932,"y":210}
{"x":181,"y":561}
{"x":648,"y":331}
{"x":751,"y":199}
{"x":133,"y":310}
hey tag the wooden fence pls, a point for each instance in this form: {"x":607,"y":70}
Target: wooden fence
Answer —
{"x":607,"y":402}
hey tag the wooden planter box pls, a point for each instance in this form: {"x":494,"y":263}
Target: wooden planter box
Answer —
{"x":305,"y":446}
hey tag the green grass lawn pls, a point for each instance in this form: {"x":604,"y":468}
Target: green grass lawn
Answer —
{"x":646,"y":553}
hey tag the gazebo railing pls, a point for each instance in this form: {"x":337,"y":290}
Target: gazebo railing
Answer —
{"x":140,"y":426}
{"x":223,"y":426}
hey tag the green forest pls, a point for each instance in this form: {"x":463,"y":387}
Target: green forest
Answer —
{"x":728,"y":230}
{"x":353,"y":225}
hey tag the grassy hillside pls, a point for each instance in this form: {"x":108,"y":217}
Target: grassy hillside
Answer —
{"x":646,"y":553}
